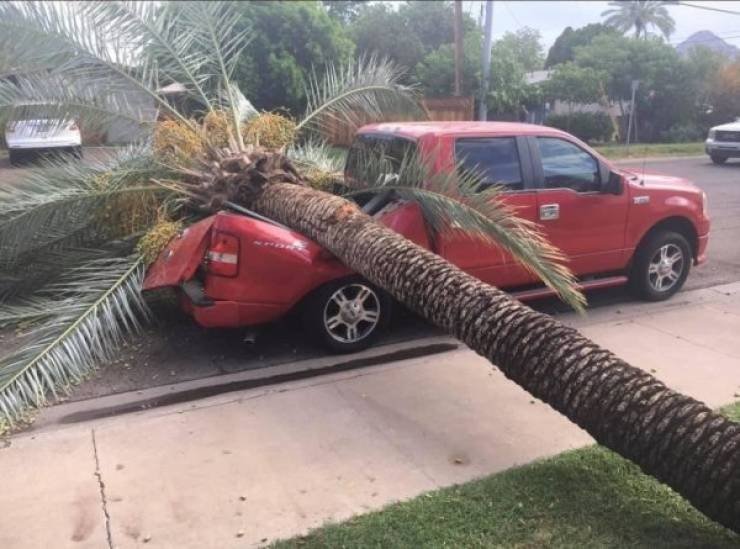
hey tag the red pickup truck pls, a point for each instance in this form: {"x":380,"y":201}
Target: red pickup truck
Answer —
{"x":614,"y":225}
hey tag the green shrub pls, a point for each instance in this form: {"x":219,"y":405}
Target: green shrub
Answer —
{"x":682,"y":133}
{"x":587,"y":126}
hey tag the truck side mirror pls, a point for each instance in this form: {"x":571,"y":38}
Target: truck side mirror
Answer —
{"x":613,"y":184}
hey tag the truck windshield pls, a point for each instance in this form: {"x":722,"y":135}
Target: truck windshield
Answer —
{"x":368,"y":149}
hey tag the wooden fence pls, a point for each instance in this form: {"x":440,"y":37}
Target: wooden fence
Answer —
{"x":436,"y":108}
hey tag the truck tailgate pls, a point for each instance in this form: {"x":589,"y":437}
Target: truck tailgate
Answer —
{"x":180,"y":259}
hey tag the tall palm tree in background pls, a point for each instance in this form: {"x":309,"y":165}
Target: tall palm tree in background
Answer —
{"x":66,"y":235}
{"x":640,"y":15}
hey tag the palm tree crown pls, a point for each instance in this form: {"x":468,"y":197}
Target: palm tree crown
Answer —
{"x":640,"y":15}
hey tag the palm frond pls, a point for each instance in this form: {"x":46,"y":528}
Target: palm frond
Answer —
{"x":453,"y":201}
{"x":43,"y":95}
{"x":157,"y":32}
{"x":213,"y":26}
{"x":103,"y":305}
{"x":61,"y":39}
{"x":33,"y":309}
{"x":317,"y":155}
{"x":43,"y":266}
{"x":61,"y":198}
{"x":368,"y":89}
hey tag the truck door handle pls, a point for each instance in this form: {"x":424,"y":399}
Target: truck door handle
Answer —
{"x":549,"y":212}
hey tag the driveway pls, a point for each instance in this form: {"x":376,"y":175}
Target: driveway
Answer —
{"x":175,"y":349}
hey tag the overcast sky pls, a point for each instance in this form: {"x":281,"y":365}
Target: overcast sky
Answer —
{"x":551,"y":17}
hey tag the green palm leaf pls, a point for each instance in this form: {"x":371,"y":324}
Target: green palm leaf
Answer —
{"x":102,"y":305}
{"x":61,"y":39}
{"x":61,"y":198}
{"x":453,"y":201}
{"x":369,"y":88}
{"x":33,"y":309}
{"x":160,"y":37}
{"x":313,"y":154}
{"x":41,"y":94}
{"x":212,"y":25}
{"x":43,"y":266}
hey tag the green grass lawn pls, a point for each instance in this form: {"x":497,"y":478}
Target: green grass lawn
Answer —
{"x":641,"y":150}
{"x":585,"y":498}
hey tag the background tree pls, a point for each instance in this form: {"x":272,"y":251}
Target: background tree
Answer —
{"x":574,"y":84}
{"x":667,"y":94}
{"x":724,"y":94}
{"x":435,"y":72}
{"x":640,"y":15}
{"x":289,"y":41}
{"x":509,"y":92}
{"x":344,"y":11}
{"x":563,"y":49}
{"x":407,"y":34}
{"x":524,"y":45}
{"x":380,"y":30}
{"x":508,"y":89}
{"x":432,"y":22}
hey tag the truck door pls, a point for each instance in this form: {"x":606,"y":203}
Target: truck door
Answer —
{"x":502,"y":161}
{"x":587,"y":224}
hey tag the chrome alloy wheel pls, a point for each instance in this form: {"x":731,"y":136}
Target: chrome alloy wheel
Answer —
{"x":352,"y":313}
{"x":665,"y":267}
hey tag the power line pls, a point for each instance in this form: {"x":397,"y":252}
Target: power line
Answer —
{"x":511,"y":13}
{"x":707,"y":8}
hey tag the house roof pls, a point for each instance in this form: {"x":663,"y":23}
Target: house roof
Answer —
{"x":535,"y":77}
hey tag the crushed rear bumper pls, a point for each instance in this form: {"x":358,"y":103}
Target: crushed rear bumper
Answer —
{"x":211,"y":313}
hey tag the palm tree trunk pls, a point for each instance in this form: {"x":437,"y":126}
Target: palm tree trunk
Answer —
{"x":672,"y":437}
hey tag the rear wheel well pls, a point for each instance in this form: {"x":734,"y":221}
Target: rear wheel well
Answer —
{"x":676,"y":224}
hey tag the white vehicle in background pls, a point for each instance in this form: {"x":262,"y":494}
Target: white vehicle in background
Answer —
{"x":723,"y":142}
{"x":42,"y":135}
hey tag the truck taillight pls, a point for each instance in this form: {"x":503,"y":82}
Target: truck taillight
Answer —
{"x":222,"y":257}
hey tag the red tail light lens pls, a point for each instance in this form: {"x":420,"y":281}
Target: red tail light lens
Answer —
{"x":222,"y":257}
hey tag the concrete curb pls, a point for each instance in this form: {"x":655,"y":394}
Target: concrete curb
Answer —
{"x":200,"y":390}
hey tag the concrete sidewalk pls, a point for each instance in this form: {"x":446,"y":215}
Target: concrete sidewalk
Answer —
{"x":245,"y":468}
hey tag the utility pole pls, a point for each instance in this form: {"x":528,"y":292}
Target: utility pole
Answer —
{"x":457,"y":28}
{"x":486,"y":60}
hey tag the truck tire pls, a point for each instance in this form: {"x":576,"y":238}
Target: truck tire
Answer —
{"x":661,"y":265}
{"x":717,"y":159}
{"x":347,"y":315}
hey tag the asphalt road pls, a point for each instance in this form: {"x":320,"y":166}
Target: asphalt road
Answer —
{"x":175,"y":349}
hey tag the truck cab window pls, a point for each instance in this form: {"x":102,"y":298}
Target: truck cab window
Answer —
{"x":494,"y":159}
{"x":566,"y":165}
